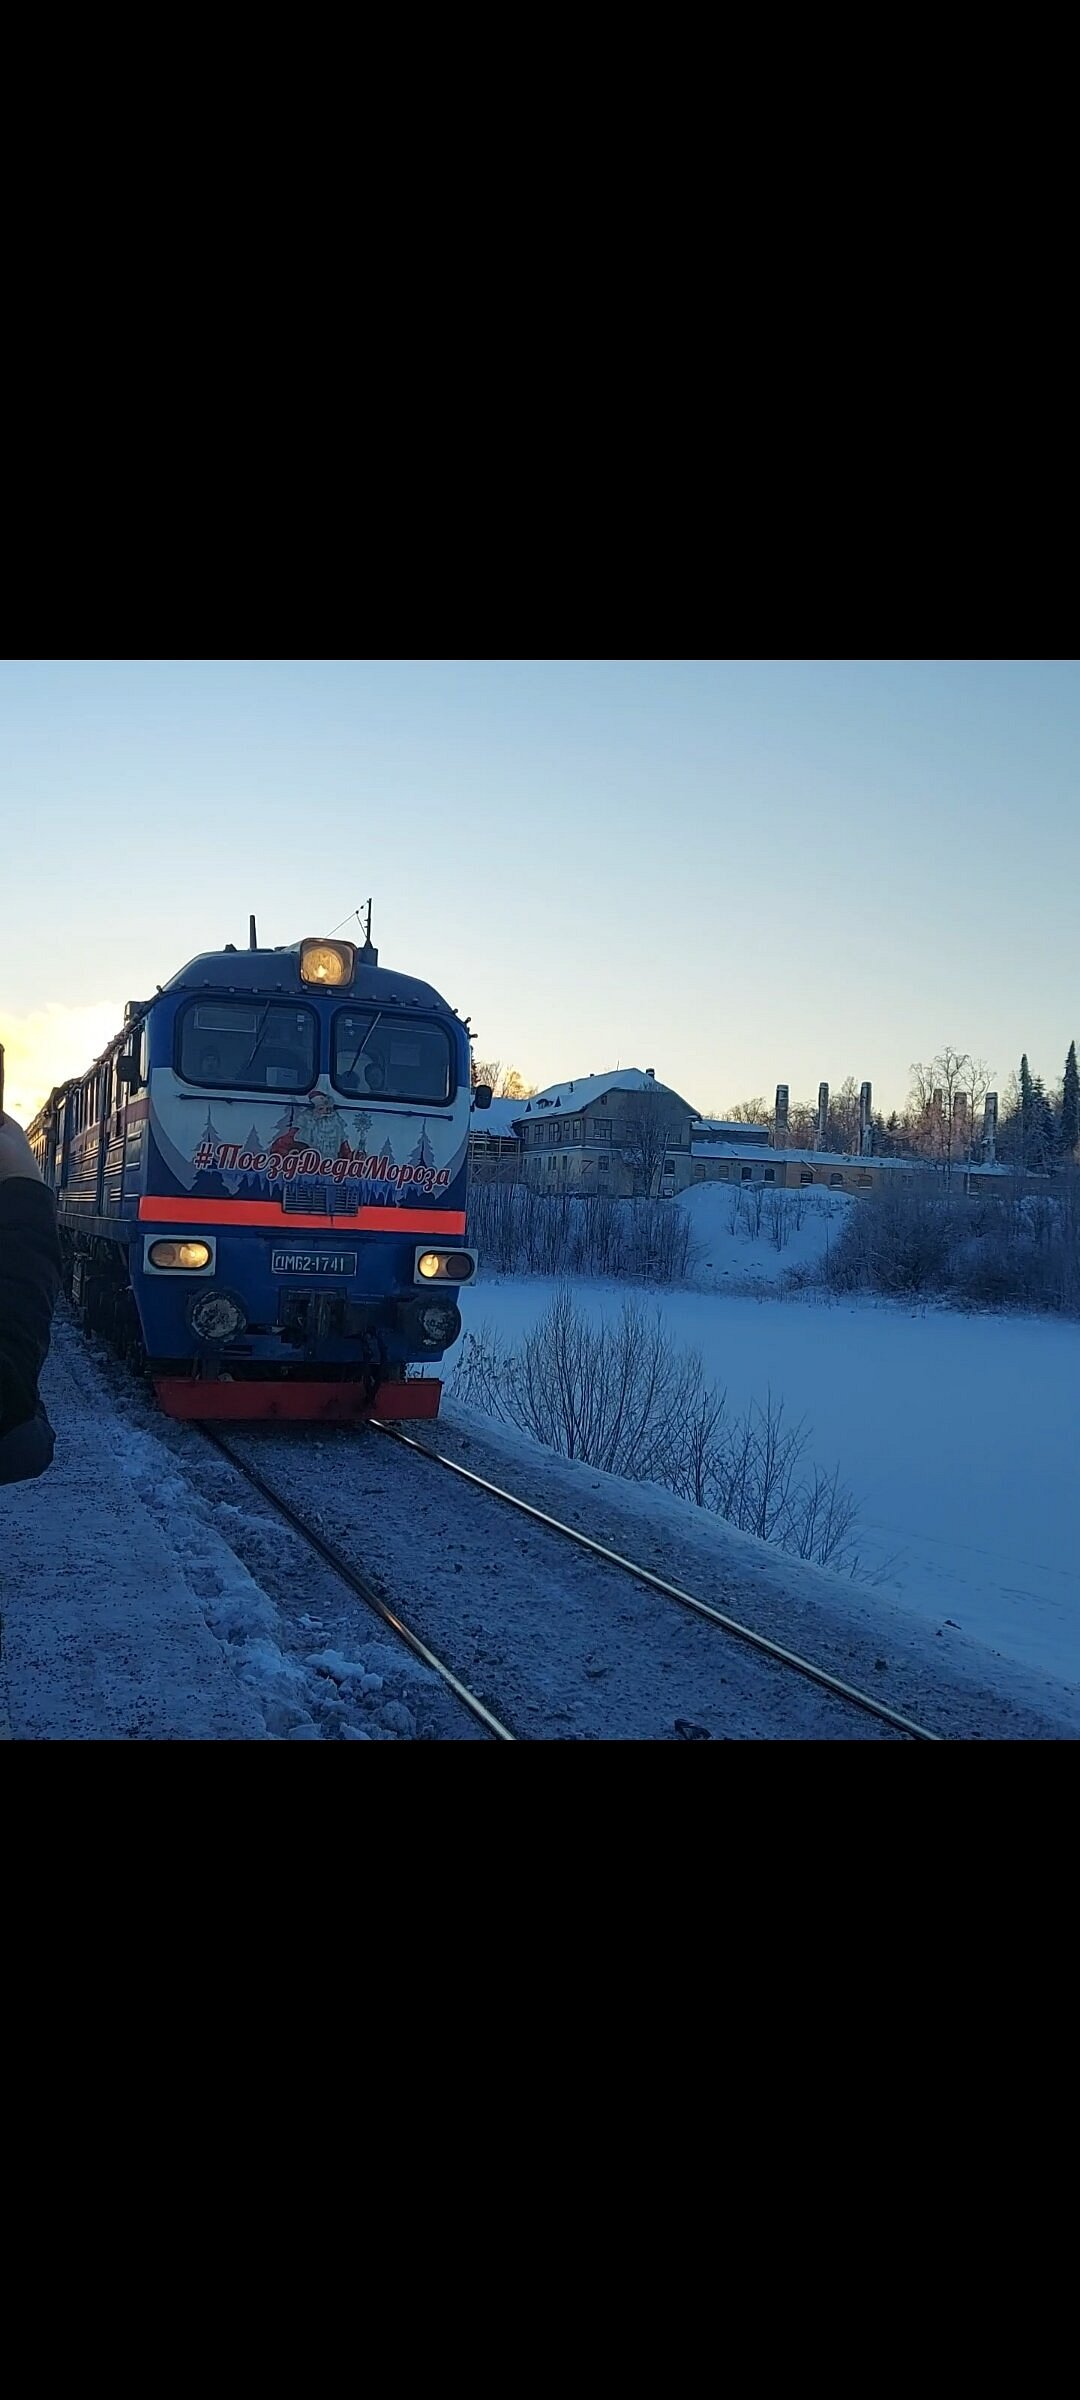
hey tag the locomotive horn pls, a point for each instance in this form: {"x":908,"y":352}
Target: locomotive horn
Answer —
{"x":252,"y":943}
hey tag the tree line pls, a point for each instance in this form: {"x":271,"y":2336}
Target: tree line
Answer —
{"x":1037,"y":1130}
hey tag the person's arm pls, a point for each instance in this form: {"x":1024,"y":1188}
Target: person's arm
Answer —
{"x":29,"y":1275}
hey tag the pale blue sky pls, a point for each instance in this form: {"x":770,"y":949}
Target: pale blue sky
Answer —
{"x":736,"y":873}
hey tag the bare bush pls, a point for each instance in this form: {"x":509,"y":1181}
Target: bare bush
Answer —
{"x":525,"y":1232}
{"x":1005,"y":1248}
{"x":754,"y":1196}
{"x":778,"y":1219}
{"x":620,"y":1396}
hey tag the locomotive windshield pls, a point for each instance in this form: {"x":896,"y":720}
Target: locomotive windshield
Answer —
{"x":377,"y":1053}
{"x":271,"y":1046}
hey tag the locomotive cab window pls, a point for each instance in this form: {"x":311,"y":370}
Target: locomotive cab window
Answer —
{"x":380,"y":1056}
{"x":242,"y":1044}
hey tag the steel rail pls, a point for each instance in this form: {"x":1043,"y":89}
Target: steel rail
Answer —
{"x":671,"y":1591}
{"x":359,"y":1584}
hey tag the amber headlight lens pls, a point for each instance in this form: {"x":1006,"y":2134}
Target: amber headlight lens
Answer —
{"x":326,"y":962}
{"x":179,"y":1254}
{"x":429,"y":1264}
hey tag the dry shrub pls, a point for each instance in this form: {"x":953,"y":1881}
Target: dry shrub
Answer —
{"x":619,"y":1395}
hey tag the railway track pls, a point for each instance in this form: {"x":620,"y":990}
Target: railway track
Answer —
{"x":846,"y":1694}
{"x":672,"y":1591}
{"x":364,"y":1589}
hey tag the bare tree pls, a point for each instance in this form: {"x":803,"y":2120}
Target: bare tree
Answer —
{"x":934,"y":1093}
{"x":802,"y":1125}
{"x":748,"y":1112}
{"x":842,"y":1129}
{"x":505,"y":1082}
{"x":975,"y":1086}
{"x":650,"y":1121}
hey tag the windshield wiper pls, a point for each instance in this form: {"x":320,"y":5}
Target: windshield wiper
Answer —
{"x":376,"y":1020}
{"x":260,"y":1030}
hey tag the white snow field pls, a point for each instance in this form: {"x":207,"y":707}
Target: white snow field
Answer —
{"x":959,"y":1434}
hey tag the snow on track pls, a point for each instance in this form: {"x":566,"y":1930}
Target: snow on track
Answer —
{"x":148,"y":1593}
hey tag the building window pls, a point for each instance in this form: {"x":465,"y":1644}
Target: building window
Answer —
{"x":603,"y":1164}
{"x":697,"y":1174}
{"x":806,"y":1175}
{"x":835,"y":1179}
{"x":601,"y":1133}
{"x":746,"y":1173}
{"x":770,"y":1174}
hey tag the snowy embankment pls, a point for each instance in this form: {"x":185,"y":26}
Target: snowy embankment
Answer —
{"x":105,"y":1635}
{"x":129,"y":1605}
{"x":956,"y":1433}
{"x":147,"y":1594}
{"x":745,"y":1235}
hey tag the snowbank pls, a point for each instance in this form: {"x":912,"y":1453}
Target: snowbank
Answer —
{"x":956,"y":1433}
{"x":749,"y":1233}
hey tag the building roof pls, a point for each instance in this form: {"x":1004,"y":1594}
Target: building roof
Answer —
{"x":498,"y":1119}
{"x":808,"y":1158}
{"x":583,"y":1090}
{"x":733,"y":1127}
{"x":758,"y":1151}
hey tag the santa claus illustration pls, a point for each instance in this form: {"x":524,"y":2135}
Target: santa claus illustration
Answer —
{"x":316,"y":1124}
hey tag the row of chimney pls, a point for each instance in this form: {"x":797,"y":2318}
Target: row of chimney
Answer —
{"x":866,"y":1128}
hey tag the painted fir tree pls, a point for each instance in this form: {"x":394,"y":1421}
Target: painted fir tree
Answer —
{"x":423,"y":1155}
{"x":1070,"y":1106}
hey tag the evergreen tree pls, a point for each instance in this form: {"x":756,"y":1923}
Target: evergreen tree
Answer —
{"x":423,"y":1155}
{"x":1042,"y":1130}
{"x":1070,"y":1105}
{"x":1026,"y":1111}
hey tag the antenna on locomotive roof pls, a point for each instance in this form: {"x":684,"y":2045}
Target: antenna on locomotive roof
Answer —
{"x":252,"y":943}
{"x":369,"y":956}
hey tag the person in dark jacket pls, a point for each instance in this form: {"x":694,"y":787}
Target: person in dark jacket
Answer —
{"x":29,"y":1283}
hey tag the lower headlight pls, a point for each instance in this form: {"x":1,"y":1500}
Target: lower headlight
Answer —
{"x":214,"y":1316}
{"x":439,"y":1327}
{"x":444,"y":1266}
{"x":187,"y":1255}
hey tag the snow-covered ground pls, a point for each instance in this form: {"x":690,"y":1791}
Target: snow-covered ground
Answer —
{"x":147,"y":1593}
{"x":749,"y":1234}
{"x":958,"y":1434}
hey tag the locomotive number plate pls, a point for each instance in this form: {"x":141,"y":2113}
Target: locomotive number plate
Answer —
{"x":313,"y":1262}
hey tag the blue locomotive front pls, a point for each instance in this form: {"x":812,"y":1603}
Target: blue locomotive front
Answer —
{"x":264,"y":1183}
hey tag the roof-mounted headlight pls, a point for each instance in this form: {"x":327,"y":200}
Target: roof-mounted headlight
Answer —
{"x":328,"y":963}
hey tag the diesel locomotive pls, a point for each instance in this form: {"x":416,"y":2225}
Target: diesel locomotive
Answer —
{"x":262,"y":1184}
